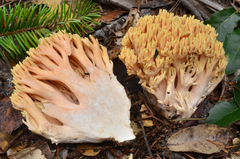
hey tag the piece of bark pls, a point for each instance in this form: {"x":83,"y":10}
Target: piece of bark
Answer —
{"x":216,"y":4}
{"x":144,"y":12}
{"x":44,"y":147}
{"x":155,"y":4}
{"x":123,"y":4}
{"x":128,"y":4}
{"x":203,"y":9}
{"x":105,"y":32}
{"x":5,"y":77}
{"x":10,"y":118}
{"x":5,"y":140}
{"x":5,"y":72}
{"x":5,"y":87}
{"x":189,"y":5}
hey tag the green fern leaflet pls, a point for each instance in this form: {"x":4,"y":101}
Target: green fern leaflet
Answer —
{"x":22,"y":26}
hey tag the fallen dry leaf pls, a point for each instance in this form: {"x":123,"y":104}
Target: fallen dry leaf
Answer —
{"x":143,"y":108}
{"x":235,"y":155}
{"x":5,"y":140}
{"x":88,"y":149}
{"x":131,"y":21}
{"x":200,"y":139}
{"x":18,"y":148}
{"x":147,"y":122}
{"x":10,"y":119}
{"x":27,"y":153}
{"x":133,"y":16}
{"x":136,"y":128}
{"x":130,"y":156}
{"x":38,"y":150}
{"x":236,"y":141}
{"x":112,"y":15}
{"x":114,"y":52}
{"x":44,"y":147}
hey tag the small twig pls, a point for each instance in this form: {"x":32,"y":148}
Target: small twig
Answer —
{"x":143,"y":118}
{"x":224,"y":87}
{"x":136,"y":152}
{"x":159,"y":120}
{"x":184,"y":119}
{"x":144,"y":135}
{"x":189,"y":156}
{"x":217,"y":145}
{"x":146,"y":105}
{"x":10,"y":89}
{"x":15,"y":138}
{"x":218,"y":99}
{"x":174,"y":6}
{"x":6,"y":4}
{"x":155,"y":142}
{"x":130,"y":77}
{"x":144,"y":100}
{"x":150,"y":110}
{"x":232,"y":150}
{"x":111,"y":30}
{"x":19,"y":1}
{"x":111,"y":41}
{"x":137,"y":103}
{"x":197,"y":114}
{"x":57,"y":152}
{"x":159,"y":156}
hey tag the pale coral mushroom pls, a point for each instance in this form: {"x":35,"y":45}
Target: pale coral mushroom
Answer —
{"x":68,"y":93}
{"x":178,"y":60}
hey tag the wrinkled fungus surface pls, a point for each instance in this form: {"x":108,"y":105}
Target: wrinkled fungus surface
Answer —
{"x":67,"y":92}
{"x":178,"y":60}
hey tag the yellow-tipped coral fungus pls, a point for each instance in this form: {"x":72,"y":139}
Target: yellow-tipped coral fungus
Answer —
{"x":178,"y":60}
{"x":67,"y":92}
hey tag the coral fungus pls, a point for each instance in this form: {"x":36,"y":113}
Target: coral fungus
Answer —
{"x":67,"y":92}
{"x":178,"y":60}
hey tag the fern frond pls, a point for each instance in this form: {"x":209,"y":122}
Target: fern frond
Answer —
{"x":22,"y":26}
